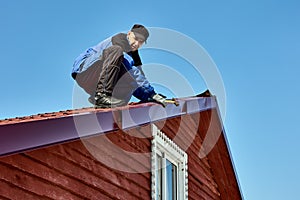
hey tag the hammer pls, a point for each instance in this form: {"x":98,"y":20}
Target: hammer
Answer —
{"x":172,"y":101}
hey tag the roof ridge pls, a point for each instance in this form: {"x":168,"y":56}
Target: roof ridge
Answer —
{"x":70,"y":112}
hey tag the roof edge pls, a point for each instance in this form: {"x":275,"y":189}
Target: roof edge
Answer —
{"x":225,"y":139}
{"x":42,"y":130}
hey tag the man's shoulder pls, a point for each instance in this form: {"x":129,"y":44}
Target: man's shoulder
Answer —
{"x":103,"y":44}
{"x":119,"y":35}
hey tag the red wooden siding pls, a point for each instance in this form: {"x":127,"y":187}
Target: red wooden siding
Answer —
{"x":68,"y":171}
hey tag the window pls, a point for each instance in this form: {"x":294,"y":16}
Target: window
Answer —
{"x":169,"y":169}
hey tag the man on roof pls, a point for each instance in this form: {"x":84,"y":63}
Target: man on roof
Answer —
{"x":111,"y":71}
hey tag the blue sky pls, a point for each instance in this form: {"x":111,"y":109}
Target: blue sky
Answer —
{"x":255,"y":45}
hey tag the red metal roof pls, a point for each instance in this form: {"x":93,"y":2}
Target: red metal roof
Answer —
{"x":22,"y":133}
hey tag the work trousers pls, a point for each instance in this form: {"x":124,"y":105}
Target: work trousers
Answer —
{"x":103,"y":72}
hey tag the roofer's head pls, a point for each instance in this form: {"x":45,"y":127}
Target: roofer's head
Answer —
{"x":137,"y":36}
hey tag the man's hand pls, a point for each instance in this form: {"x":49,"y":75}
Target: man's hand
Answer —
{"x":160,"y":99}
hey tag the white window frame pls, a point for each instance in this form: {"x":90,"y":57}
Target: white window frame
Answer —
{"x":165,"y":147}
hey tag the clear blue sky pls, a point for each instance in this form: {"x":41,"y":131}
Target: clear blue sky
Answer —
{"x":255,"y":44}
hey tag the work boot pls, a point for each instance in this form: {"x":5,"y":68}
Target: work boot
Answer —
{"x":103,"y":100}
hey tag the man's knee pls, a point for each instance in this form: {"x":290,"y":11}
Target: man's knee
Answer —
{"x":116,"y":50}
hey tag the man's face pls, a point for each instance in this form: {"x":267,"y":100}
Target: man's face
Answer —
{"x":134,"y":42}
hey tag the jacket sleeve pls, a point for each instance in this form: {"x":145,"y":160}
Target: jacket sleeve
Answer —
{"x":144,"y":91}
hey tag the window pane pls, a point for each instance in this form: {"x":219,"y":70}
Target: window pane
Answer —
{"x":171,"y":179}
{"x":158,"y":177}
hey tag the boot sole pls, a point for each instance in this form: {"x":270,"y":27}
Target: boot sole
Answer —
{"x":108,"y":106}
